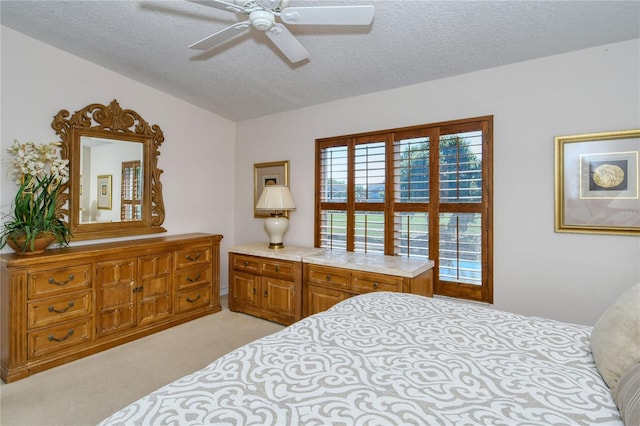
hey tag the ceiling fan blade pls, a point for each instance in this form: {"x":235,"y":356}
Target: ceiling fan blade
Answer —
{"x":287,"y":43}
{"x":220,"y":5}
{"x":328,"y":15}
{"x":221,"y":36}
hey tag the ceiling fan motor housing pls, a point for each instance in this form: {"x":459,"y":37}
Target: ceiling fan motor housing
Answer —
{"x":276,"y":5}
{"x":262,"y":19}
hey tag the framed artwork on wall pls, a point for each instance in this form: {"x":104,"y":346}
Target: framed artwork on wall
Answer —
{"x":597,"y":183}
{"x":273,"y":173}
{"x":104,"y":192}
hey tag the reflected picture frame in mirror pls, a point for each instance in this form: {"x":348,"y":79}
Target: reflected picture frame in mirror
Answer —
{"x":109,"y":124}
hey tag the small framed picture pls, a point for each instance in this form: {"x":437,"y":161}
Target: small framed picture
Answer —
{"x":597,"y":183}
{"x":104,"y":192}
{"x":274,"y":173}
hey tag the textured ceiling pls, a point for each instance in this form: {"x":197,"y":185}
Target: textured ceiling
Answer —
{"x":407,"y":43}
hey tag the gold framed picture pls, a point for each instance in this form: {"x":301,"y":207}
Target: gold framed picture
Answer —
{"x":104,"y":192}
{"x":273,"y":173}
{"x":597,"y":184}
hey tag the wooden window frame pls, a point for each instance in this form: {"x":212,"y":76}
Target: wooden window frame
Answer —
{"x":134,"y":184}
{"x":482,"y":292}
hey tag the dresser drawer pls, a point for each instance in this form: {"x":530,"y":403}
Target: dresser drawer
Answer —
{"x":192,"y":257}
{"x":60,"y":280}
{"x":192,"y":277}
{"x":245,"y":263}
{"x":318,"y":299}
{"x":59,"y":337}
{"x":193,"y":299}
{"x":51,"y":311}
{"x":326,"y":275}
{"x":282,"y":270}
{"x":363,"y":282}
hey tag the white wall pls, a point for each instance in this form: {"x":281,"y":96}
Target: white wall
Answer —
{"x":569,"y":277}
{"x":38,"y":80}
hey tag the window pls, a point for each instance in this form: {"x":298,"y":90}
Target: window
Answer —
{"x":422,"y":192}
{"x":131,"y":198}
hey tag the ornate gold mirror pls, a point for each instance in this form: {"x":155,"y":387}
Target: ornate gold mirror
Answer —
{"x":114,"y":187}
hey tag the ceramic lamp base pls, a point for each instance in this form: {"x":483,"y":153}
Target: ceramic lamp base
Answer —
{"x":276,"y":226}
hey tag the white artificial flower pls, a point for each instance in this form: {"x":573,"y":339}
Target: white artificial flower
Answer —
{"x":39,"y":161}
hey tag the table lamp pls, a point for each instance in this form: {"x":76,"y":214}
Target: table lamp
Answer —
{"x":277,"y":198}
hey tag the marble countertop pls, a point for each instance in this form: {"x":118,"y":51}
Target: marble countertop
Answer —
{"x":293,"y":253}
{"x":390,"y":265}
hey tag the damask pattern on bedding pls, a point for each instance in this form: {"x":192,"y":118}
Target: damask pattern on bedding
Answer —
{"x":393,"y":358}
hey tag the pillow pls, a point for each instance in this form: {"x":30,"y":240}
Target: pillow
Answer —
{"x":627,"y":396}
{"x":615,"y":338}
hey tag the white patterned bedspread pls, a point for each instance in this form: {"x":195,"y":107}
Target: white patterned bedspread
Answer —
{"x":394,"y":359}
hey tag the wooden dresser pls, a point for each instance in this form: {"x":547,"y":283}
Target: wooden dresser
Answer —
{"x":267,"y":282}
{"x":285,"y":285}
{"x":72,"y":302}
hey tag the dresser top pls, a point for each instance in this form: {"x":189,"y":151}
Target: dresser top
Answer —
{"x":390,"y":265}
{"x":293,"y":253}
{"x":119,"y":248}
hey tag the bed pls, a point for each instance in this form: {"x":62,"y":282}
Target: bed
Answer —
{"x":389,"y":359}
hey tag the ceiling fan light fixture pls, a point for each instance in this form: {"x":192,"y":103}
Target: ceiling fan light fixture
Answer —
{"x":262,"y":19}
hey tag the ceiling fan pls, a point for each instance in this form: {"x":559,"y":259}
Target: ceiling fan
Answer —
{"x":262,"y":16}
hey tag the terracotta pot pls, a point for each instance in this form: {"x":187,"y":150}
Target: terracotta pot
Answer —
{"x":40,"y":245}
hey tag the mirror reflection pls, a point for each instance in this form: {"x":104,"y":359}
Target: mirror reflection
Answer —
{"x":111,"y":180}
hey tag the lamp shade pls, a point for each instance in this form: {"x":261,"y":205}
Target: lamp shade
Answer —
{"x":275,"y":197}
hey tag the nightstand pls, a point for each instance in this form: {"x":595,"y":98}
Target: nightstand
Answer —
{"x":267,"y":283}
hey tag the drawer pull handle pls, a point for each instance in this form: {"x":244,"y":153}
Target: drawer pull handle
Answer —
{"x":246,"y":263}
{"x":188,"y":257}
{"x":266,"y":293}
{"x":375,"y":285}
{"x":61,"y":311}
{"x":328,"y":277}
{"x":54,"y":282}
{"x":254,"y":291}
{"x":190,"y":300}
{"x":193,"y":280}
{"x":61,"y":339}
{"x":138,"y":289}
{"x":277,"y":268}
